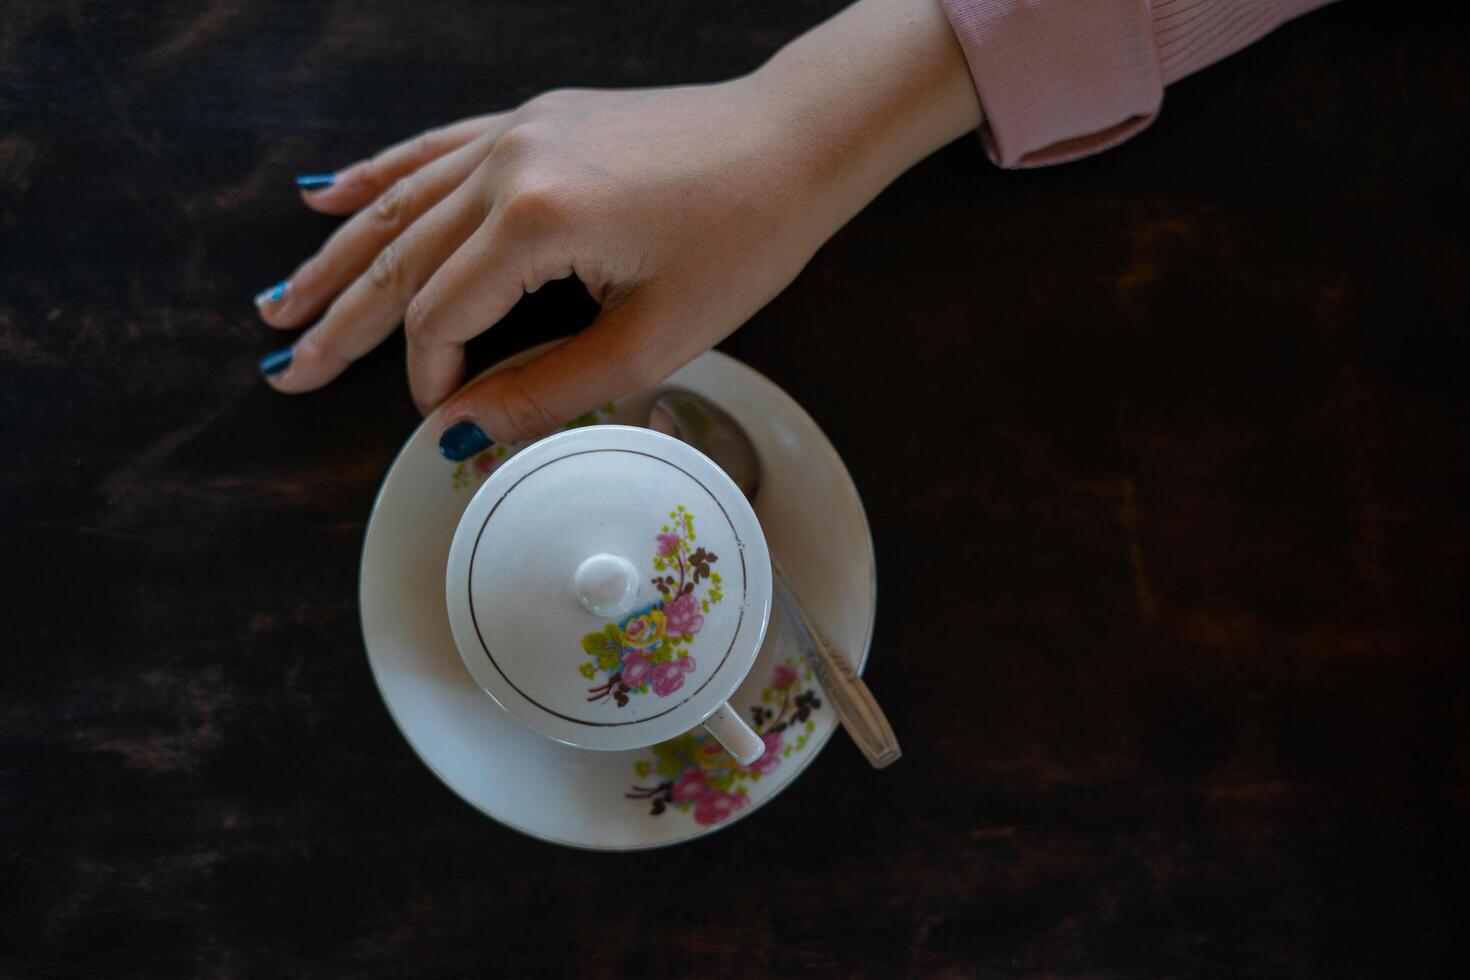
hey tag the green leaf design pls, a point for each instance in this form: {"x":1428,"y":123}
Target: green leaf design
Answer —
{"x":642,"y":767}
{"x":587,"y":670}
{"x":605,"y":647}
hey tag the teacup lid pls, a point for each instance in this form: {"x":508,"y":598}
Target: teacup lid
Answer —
{"x":609,"y":586}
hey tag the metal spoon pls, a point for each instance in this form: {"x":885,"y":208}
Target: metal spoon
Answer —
{"x":708,"y":428}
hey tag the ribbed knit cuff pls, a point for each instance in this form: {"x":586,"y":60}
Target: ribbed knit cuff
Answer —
{"x":1059,"y":79}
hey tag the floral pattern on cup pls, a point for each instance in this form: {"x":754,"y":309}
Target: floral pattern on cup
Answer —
{"x":697,"y":776}
{"x":649,"y":650}
{"x":473,"y":471}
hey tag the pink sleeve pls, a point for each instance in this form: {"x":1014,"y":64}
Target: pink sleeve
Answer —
{"x":1061,"y":79}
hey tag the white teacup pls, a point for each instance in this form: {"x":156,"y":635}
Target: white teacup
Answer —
{"x":610,"y":588}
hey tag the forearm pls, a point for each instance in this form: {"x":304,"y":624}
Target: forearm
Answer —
{"x":867,"y":94}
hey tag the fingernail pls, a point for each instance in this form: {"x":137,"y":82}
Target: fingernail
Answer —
{"x":271,"y":296}
{"x":276,"y":362}
{"x":462,"y":440}
{"x":315,"y":182}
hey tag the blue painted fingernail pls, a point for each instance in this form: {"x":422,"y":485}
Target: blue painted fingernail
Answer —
{"x":272,"y":295}
{"x":276,"y":362}
{"x":462,"y":440}
{"x":315,"y":182}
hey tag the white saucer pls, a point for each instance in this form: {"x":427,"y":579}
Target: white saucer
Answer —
{"x":815,"y":525}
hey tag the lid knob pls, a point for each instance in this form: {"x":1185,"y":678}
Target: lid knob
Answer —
{"x":606,"y":585}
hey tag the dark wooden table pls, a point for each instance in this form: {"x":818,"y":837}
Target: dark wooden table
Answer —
{"x":1164,"y":452}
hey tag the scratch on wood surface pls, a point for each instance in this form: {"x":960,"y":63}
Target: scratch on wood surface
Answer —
{"x":16,"y":156}
{"x":209,"y":24}
{"x":194,"y":704}
{"x":1128,"y":517}
{"x":124,"y":488}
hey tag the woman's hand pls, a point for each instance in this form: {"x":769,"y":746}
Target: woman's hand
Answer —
{"x":682,"y":210}
{"x":674,"y":207}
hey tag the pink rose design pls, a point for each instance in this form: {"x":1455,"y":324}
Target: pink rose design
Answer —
{"x":783,"y":678}
{"x":668,"y":544}
{"x":716,"y":806}
{"x":770,"y":760}
{"x":668,"y":676}
{"x":636,"y":668}
{"x":691,"y":786}
{"x":681,"y":616}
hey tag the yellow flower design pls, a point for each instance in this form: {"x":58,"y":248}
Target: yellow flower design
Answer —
{"x":712,"y":755}
{"x":645,"y":631}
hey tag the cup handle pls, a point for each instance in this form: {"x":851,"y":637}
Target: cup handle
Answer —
{"x":738,"y":738}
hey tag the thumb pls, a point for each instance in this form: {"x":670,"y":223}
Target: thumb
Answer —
{"x":619,"y":353}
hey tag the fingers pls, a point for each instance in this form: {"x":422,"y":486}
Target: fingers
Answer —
{"x":351,"y":188}
{"x":512,"y":254}
{"x":615,"y":356}
{"x":373,"y":305}
{"x":353,"y":247}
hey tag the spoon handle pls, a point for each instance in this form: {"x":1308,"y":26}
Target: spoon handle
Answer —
{"x":850,"y":697}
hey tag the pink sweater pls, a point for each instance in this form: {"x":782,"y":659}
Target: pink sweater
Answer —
{"x":1061,"y":79}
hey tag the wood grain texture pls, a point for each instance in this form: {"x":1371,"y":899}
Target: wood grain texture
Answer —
{"x":1164,"y":452}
